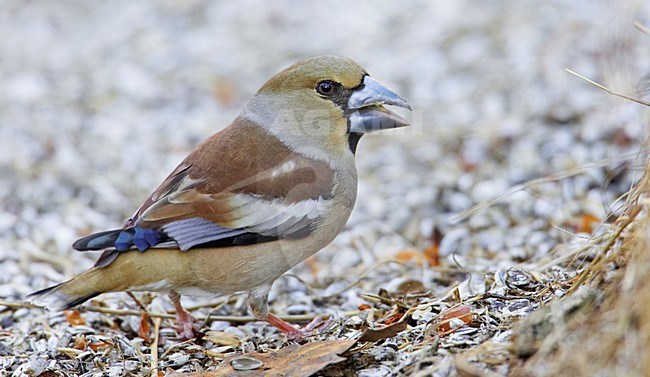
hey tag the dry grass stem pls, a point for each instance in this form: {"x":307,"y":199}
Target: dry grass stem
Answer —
{"x":154,"y":346}
{"x":577,"y":170}
{"x":639,"y":25}
{"x":608,"y":90}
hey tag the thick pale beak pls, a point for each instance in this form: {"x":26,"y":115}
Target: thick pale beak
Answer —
{"x":365,"y":110}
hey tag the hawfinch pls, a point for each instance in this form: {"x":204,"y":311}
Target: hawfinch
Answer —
{"x":251,"y":201}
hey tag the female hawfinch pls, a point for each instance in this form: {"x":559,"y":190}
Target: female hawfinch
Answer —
{"x":251,"y":201}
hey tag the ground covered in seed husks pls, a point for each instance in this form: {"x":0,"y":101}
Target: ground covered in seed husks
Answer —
{"x":505,"y":232}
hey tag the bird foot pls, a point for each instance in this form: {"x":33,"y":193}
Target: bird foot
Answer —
{"x":186,"y":330}
{"x":294,"y":332}
{"x":186,"y":325}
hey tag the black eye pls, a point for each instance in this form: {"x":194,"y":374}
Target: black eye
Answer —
{"x":325,"y":88}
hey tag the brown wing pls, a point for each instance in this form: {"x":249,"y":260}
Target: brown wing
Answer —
{"x":241,"y":180}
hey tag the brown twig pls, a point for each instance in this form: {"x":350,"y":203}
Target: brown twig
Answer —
{"x":175,"y":347}
{"x":138,"y":302}
{"x":142,"y":307}
{"x":214,"y":309}
{"x":232,"y":319}
{"x":383,"y":300}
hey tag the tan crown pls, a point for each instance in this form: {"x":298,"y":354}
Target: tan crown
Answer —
{"x":305,"y":74}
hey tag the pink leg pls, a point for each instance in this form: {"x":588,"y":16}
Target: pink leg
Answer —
{"x":185,"y":322}
{"x":257,"y":302}
{"x":287,"y":328}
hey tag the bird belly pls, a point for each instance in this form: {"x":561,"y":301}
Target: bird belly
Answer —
{"x":158,"y":286}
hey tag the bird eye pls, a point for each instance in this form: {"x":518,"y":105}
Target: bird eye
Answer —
{"x":325,"y":88}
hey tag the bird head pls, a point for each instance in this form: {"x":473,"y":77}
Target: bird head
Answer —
{"x":323,"y":105}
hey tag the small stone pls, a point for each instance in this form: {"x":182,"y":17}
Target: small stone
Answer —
{"x":451,"y":241}
{"x":299,"y":309}
{"x":489,"y":189}
{"x":131,"y":365}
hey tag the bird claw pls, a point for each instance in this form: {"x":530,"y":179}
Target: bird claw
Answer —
{"x":295,"y":333}
{"x":186,"y":330}
{"x":186,"y":326}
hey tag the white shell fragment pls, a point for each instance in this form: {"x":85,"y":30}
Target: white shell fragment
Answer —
{"x":243,"y":363}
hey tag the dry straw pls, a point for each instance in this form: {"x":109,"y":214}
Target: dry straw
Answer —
{"x":602,"y":325}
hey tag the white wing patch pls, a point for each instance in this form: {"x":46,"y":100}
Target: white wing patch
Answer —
{"x":275,"y":217}
{"x":285,"y":168}
{"x":251,"y":214}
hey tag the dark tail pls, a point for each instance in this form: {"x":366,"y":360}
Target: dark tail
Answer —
{"x":97,"y":241}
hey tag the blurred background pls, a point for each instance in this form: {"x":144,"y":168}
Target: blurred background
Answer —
{"x":99,"y":101}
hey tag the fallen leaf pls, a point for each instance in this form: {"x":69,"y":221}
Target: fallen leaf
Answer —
{"x":410,"y":286}
{"x":80,"y":343}
{"x":404,"y":256}
{"x":588,"y":223}
{"x":374,"y":335}
{"x":436,"y":236}
{"x":292,"y":360}
{"x":74,"y":318}
{"x":145,"y":328}
{"x":98,"y":345}
{"x":222,"y":338}
{"x":364,"y":307}
{"x":432,"y":255}
{"x":393,"y":318}
{"x":459,"y":314}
